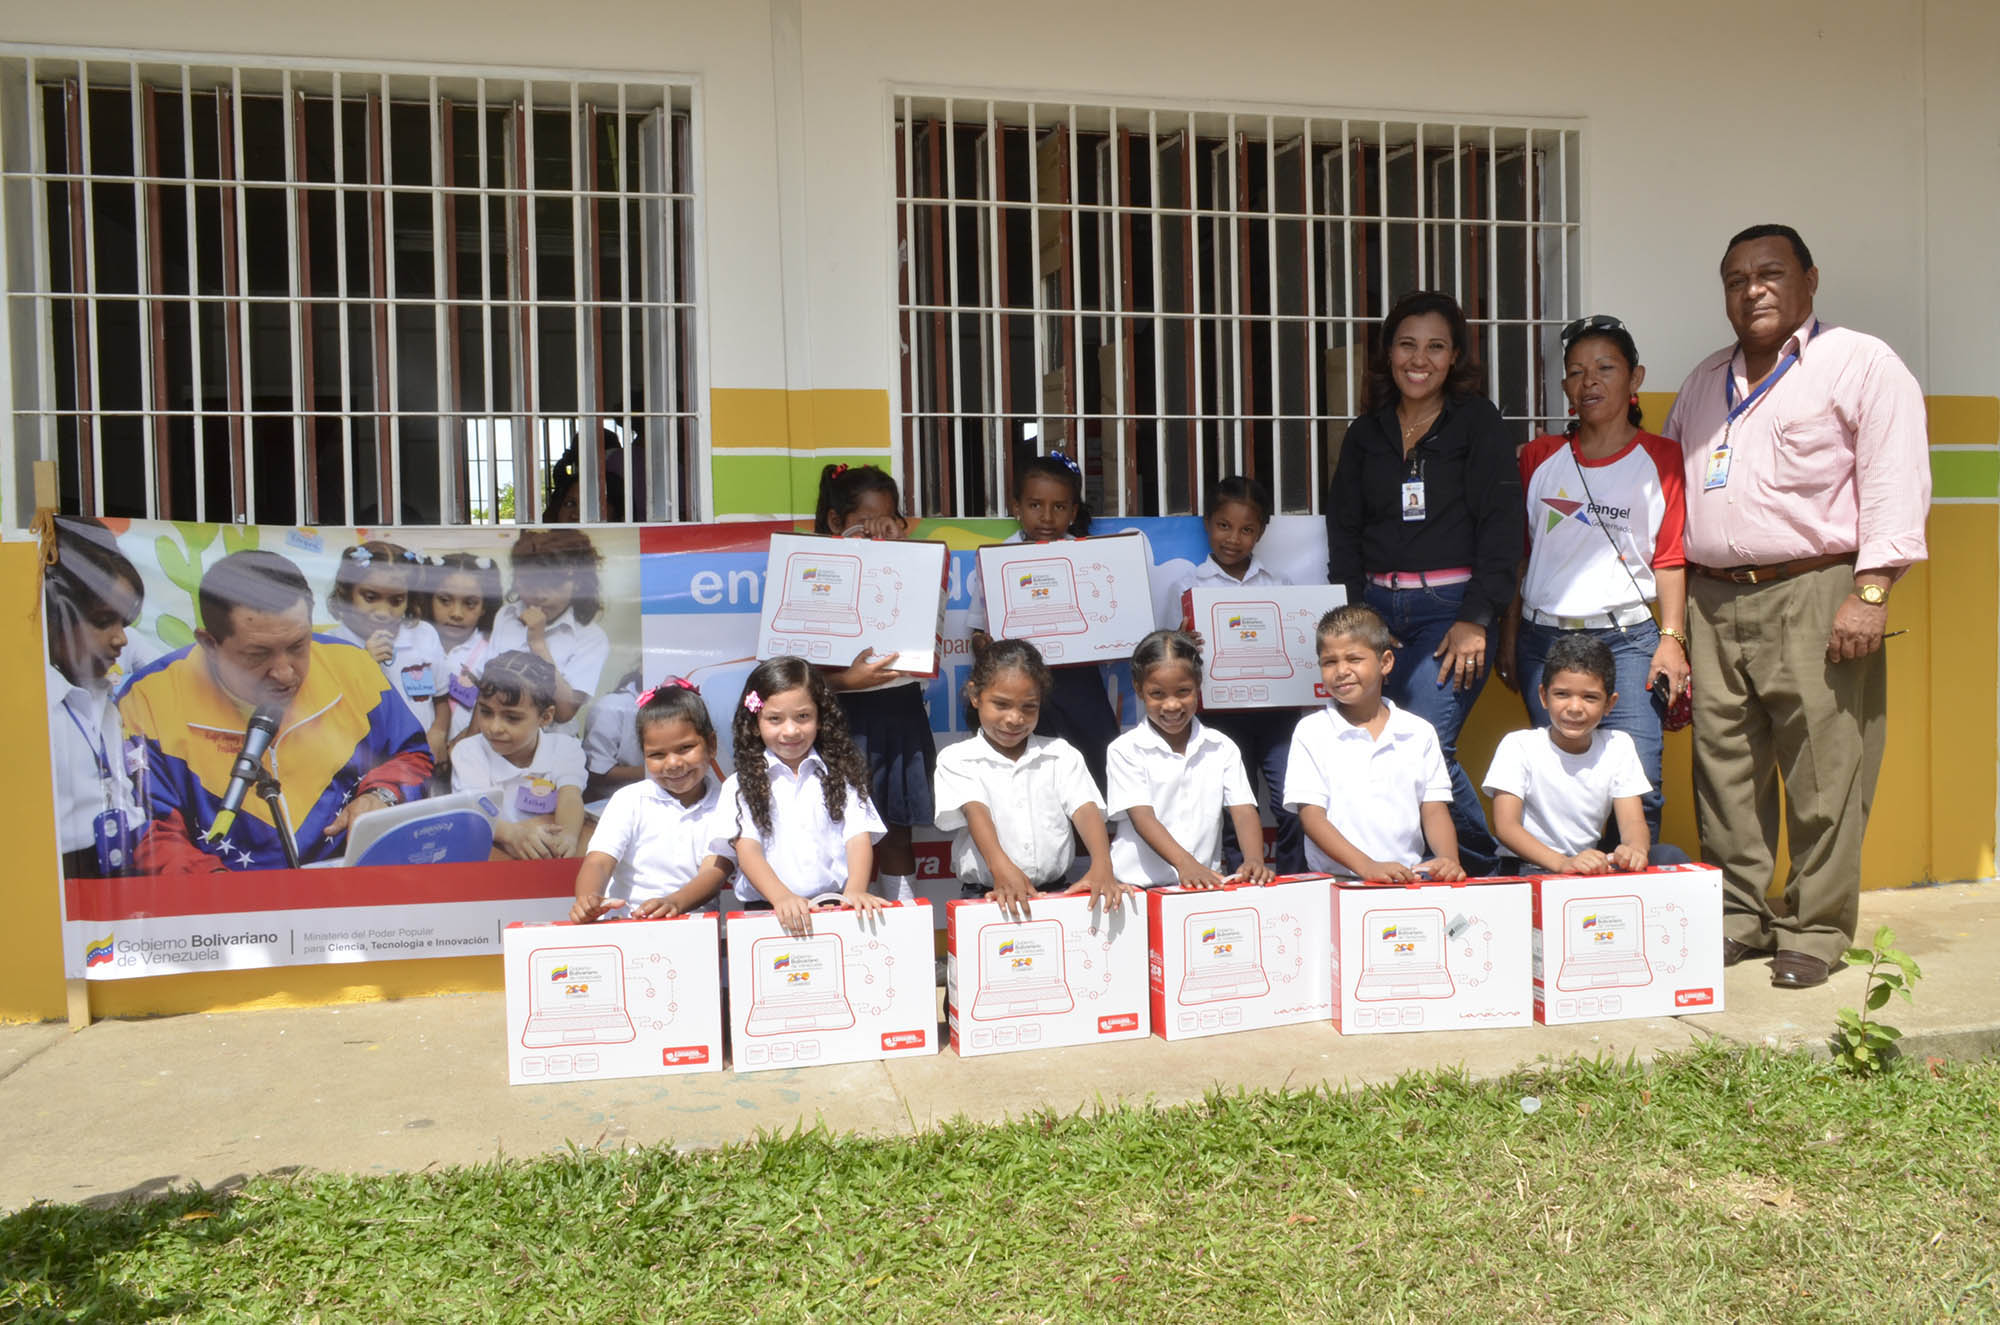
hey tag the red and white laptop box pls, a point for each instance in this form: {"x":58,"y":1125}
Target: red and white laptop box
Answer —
{"x":1614,"y":946}
{"x":1259,"y":646}
{"x":859,"y":987}
{"x":1431,"y":956}
{"x":1080,"y":600}
{"x":1069,"y":974}
{"x":826,"y":599}
{"x":1240,"y":957}
{"x":627,"y":998}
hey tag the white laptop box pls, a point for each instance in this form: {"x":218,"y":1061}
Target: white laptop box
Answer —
{"x":825,"y":599}
{"x":1432,"y":956}
{"x":1080,"y":600}
{"x":1613,"y":946}
{"x":860,"y":986}
{"x":628,"y":998}
{"x":1241,"y":957}
{"x":1259,"y":647}
{"x":1069,"y":974}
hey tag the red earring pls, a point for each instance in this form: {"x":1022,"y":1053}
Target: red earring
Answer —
{"x":1635,"y":397}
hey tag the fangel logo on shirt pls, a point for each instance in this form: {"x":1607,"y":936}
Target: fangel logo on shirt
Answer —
{"x":1562,"y":507}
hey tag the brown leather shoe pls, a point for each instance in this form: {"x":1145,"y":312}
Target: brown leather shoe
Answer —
{"x":1798,"y":970}
{"x":1734,"y":952}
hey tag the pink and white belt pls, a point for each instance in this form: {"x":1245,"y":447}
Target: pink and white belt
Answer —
{"x":1420,"y":579}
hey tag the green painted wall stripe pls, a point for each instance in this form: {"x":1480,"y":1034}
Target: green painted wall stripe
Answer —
{"x":1974,"y":474}
{"x":777,"y":485}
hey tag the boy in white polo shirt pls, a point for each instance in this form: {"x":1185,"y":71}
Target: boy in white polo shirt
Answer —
{"x":1553,"y":787}
{"x":1366,"y":778}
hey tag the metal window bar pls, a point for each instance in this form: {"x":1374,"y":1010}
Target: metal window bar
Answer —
{"x":254,"y":154}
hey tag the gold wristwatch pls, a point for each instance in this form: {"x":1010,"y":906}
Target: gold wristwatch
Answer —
{"x":1872,"y":594}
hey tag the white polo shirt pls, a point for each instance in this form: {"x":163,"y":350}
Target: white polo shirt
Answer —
{"x":1565,"y":798}
{"x":91,"y":766}
{"x":1208,"y":575}
{"x":658,"y":842}
{"x":578,"y":651}
{"x":1031,"y":800}
{"x":522,"y":792}
{"x":611,"y":731}
{"x":806,"y":849}
{"x":1372,"y":788}
{"x":417,"y":668}
{"x":1187,"y":792}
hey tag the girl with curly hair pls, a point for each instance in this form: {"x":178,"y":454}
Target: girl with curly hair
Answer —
{"x":797,"y":811}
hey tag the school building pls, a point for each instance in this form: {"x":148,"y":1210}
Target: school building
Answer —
{"x":434,"y":261}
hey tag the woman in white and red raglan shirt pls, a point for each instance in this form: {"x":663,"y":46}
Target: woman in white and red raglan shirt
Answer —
{"x":1605,"y":514}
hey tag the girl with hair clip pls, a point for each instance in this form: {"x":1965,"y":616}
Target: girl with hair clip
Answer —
{"x":796,"y":810}
{"x":1172,"y":778}
{"x":885,"y":710}
{"x":91,"y":595}
{"x":1014,"y":801}
{"x":1048,"y":505}
{"x":461,"y":599}
{"x":552,"y":613}
{"x":1602,"y":571}
{"x":655,"y":848}
{"x":374,"y":600}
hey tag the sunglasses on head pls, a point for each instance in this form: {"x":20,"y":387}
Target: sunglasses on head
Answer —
{"x":1595,"y":322}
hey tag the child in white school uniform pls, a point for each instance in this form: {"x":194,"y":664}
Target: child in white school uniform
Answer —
{"x":536,"y":775}
{"x":796,"y":809}
{"x":1171,"y":778}
{"x":654,"y":850}
{"x":374,"y":601}
{"x":554,"y":614}
{"x":461,"y":599}
{"x":1010,"y":798}
{"x":611,"y":740}
{"x":1239,"y":510}
{"x":1553,"y":787}
{"x":1368,"y":779}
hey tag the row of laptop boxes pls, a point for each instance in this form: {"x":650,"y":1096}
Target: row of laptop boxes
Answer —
{"x":644,"y":998}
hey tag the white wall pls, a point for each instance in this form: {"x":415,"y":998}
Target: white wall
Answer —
{"x":1696,"y":122}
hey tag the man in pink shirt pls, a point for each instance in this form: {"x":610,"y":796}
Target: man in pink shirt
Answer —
{"x":1808,"y":480}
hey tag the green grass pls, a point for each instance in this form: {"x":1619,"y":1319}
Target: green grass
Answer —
{"x":1718,"y":1185}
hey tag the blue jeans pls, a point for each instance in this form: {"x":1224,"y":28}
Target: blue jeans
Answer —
{"x":1420,"y":618}
{"x":1632,"y":649}
{"x":1264,"y":738}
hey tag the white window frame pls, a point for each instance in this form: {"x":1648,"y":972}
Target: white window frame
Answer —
{"x":1560,"y":227}
{"x":27,"y":295}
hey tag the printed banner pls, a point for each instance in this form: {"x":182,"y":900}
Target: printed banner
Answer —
{"x":282,"y":746}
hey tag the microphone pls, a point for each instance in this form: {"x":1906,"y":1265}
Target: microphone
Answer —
{"x":249,"y":766}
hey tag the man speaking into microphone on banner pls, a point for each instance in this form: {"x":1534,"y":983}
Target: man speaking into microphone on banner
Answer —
{"x":257,"y":697}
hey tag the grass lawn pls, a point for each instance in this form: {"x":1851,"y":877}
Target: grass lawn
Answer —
{"x":1718,"y":1185}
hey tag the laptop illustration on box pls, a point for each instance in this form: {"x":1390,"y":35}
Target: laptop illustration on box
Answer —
{"x":819,"y":595}
{"x":1039,"y":598}
{"x":1604,"y":944}
{"x":1249,"y":642}
{"x":1403,"y":955}
{"x":1021,"y":971}
{"x":797,"y":985}
{"x":1225,"y":957}
{"x":441,"y":830}
{"x":576,"y":996}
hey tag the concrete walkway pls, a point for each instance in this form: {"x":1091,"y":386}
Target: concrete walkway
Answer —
{"x":136,"y":1107}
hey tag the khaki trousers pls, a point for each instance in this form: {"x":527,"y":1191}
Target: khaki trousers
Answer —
{"x":1769,"y":706}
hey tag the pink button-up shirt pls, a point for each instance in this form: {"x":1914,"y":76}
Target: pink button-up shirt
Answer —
{"x":1833,"y":458}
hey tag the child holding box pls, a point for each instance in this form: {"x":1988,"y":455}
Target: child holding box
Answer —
{"x":1553,"y":787}
{"x":1368,"y":779}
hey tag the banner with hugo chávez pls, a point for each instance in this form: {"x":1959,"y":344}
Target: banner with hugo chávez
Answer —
{"x":283,"y":746}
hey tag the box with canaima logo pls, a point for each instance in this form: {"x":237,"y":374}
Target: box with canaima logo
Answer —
{"x":1069,"y":973}
{"x":1240,"y":957}
{"x":1080,"y":600}
{"x":1431,"y":956}
{"x":1258,"y":645}
{"x":1609,"y":947}
{"x":619,"y":998}
{"x":860,"y":986}
{"x":827,"y":599}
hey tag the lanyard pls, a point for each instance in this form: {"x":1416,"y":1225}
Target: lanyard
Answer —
{"x":1738,"y":408}
{"x":98,"y":751}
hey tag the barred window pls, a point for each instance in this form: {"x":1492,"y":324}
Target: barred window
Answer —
{"x":1173,"y":295}
{"x":351,"y":296}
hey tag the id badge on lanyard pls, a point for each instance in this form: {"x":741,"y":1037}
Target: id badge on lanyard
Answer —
{"x":1413,"y":499}
{"x":1715,"y":474}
